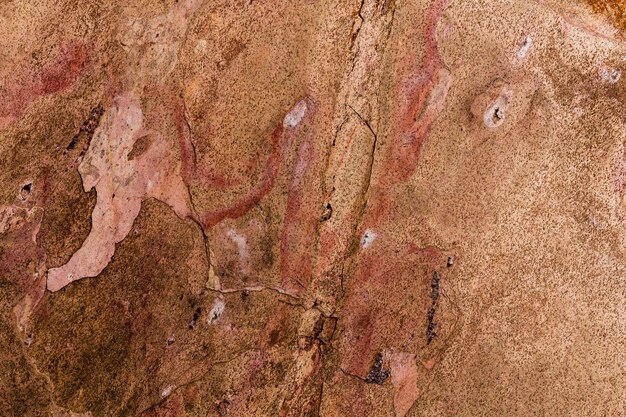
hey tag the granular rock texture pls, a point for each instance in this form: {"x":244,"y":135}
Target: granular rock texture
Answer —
{"x":312,"y":208}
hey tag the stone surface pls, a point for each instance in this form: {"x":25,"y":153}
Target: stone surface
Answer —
{"x":333,"y":208}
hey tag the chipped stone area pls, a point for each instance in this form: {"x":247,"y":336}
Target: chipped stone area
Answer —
{"x":314,"y":208}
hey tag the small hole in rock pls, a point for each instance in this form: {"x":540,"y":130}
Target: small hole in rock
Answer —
{"x":498,"y":114}
{"x":26,"y":191}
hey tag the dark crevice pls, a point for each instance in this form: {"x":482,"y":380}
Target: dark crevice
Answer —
{"x":434,"y":297}
{"x":196,"y":315}
{"x":328,"y":212}
{"x":86,"y":130}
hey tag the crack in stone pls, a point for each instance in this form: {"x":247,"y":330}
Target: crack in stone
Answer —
{"x":254,"y":289}
{"x":434,"y":296}
{"x":370,"y":166}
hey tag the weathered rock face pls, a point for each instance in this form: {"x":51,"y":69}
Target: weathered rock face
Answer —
{"x":334,"y":208}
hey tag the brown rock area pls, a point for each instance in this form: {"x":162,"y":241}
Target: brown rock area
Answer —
{"x":312,"y":208}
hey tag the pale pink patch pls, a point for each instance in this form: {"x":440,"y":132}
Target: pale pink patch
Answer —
{"x":404,"y":379}
{"x":121,"y":184}
{"x":242,"y":250}
{"x":302,"y":213}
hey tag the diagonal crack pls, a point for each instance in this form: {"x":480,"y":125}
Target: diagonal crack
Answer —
{"x":348,"y":374}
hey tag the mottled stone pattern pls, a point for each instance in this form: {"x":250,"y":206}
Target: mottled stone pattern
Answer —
{"x":312,"y":208}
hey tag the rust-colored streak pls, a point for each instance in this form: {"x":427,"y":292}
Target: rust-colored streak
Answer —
{"x":192,"y":173}
{"x":298,"y":235}
{"x":416,"y":116}
{"x":61,"y":74}
{"x":301,"y":217}
{"x":23,"y":86}
{"x":262,"y":187}
{"x":421,"y":96}
{"x":281,"y":138}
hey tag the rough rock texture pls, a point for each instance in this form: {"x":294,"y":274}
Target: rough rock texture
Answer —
{"x":318,"y":207}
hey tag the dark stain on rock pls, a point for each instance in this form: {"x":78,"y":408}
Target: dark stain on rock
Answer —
{"x":377,"y":374}
{"x":232,"y":51}
{"x":87,"y":129}
{"x":385,"y":6}
{"x":222,"y":407}
{"x":25,"y":191}
{"x":140,"y":147}
{"x":194,"y":322}
{"x":328,"y":212}
{"x":273,"y":337}
{"x":434,"y":297}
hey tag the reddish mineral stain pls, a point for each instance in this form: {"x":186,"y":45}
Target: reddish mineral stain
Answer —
{"x":301,"y":217}
{"x":421,"y":97}
{"x":262,"y":187}
{"x":23,"y":86}
{"x":280,"y":139}
{"x":192,"y":172}
{"x":416,"y":96}
{"x":405,"y":268}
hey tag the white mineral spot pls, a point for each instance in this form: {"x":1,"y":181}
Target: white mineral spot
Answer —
{"x":523,"y":50}
{"x":494,"y":115}
{"x":610,"y":75}
{"x":368,"y":238}
{"x":296,"y":114}
{"x":167,"y":391}
{"x":216,"y":310}
{"x":201,"y":46}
